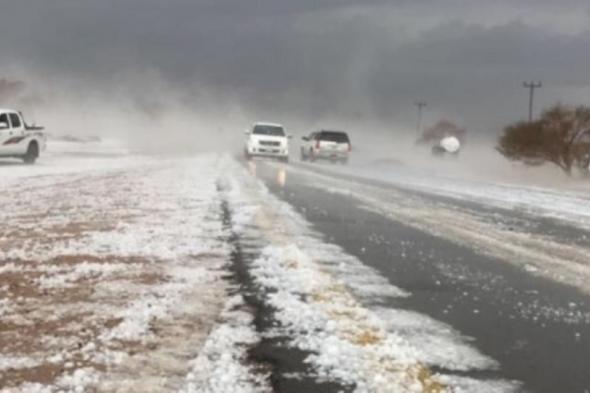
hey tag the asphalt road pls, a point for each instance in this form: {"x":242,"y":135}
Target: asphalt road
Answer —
{"x":537,"y":329}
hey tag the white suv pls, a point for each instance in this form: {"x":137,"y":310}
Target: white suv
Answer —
{"x":267,"y":140}
{"x":328,"y":145}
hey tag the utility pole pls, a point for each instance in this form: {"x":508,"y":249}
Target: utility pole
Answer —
{"x":531,"y":86}
{"x":420,"y":105}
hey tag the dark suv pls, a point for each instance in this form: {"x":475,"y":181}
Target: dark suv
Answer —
{"x":329,"y":145}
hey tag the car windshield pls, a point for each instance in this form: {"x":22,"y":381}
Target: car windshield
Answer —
{"x":268,"y":130}
{"x":334,"y":136}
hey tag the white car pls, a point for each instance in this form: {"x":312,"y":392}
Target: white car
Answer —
{"x":449,"y":145}
{"x":328,"y":145}
{"x":267,"y":140}
{"x":18,"y":140}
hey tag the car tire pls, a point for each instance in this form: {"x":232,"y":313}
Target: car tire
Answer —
{"x":32,"y":153}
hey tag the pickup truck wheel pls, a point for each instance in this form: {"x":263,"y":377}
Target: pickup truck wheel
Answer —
{"x":32,"y":153}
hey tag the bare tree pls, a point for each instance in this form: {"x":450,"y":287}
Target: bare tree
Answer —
{"x":560,"y":136}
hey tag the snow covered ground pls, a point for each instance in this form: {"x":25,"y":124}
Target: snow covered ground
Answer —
{"x":567,"y":200}
{"x":114,"y":278}
{"x":112,"y":271}
{"x":68,"y":158}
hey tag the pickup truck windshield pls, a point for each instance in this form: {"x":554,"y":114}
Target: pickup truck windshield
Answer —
{"x":268,"y":130}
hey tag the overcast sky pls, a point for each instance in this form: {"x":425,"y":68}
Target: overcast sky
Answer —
{"x":316,"y":59}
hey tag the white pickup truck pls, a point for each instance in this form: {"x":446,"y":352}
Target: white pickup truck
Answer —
{"x":17,"y":139}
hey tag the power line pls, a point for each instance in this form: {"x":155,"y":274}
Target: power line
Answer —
{"x":532,"y":86}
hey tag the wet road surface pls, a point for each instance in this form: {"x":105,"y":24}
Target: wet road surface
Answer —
{"x":537,"y":329}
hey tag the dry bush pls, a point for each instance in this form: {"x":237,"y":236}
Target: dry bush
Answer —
{"x":560,"y":136}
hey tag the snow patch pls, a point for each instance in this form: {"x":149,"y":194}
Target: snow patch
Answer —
{"x":223,"y":360}
{"x":7,"y":362}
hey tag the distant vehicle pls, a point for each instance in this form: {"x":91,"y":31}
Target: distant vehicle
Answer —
{"x":447,"y":145}
{"x":267,"y":140}
{"x":328,"y":145}
{"x":19,"y":140}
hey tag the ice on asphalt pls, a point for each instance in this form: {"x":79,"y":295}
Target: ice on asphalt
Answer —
{"x":570,"y":205}
{"x":553,"y":257}
{"x":316,"y":291}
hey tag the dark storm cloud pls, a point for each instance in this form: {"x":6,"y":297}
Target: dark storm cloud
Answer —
{"x":315,"y":58}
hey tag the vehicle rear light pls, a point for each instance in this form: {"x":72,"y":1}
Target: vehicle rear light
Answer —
{"x":317,"y":145}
